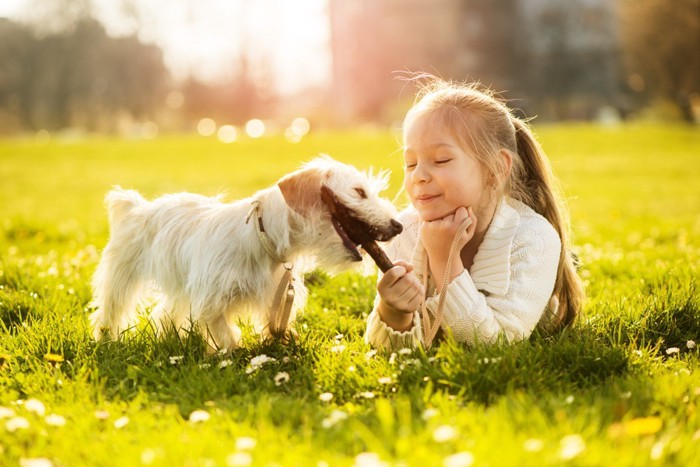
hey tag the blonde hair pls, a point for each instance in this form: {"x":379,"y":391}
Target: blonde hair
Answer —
{"x":481,"y":121}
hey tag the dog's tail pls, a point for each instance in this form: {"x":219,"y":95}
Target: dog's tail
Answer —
{"x":120,"y":202}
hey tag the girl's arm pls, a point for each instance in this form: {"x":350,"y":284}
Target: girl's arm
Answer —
{"x":395,"y":327}
{"x":513,"y":308}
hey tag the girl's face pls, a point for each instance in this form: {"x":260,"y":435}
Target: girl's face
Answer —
{"x":441,"y":175}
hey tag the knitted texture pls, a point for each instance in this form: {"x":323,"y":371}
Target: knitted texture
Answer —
{"x":505,"y":293}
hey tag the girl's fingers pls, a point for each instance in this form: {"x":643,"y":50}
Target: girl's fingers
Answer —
{"x":417,"y":298}
{"x":407,"y":266}
{"x":400,"y":269}
{"x":460,"y":214}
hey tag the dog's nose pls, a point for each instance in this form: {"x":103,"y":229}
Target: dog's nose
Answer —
{"x":396,"y":227}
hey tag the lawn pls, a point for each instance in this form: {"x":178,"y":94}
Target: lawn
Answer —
{"x":620,"y":388}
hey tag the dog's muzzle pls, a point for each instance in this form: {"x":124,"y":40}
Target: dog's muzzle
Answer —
{"x":354,"y":231}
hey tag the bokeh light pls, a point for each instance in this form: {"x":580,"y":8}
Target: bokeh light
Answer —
{"x":290,"y":136}
{"x":227,"y":134}
{"x":255,"y":128}
{"x":206,"y":127}
{"x":297,"y":130}
{"x":300,"y":126}
{"x":175,"y":100}
{"x":42,"y":137}
{"x":149,"y":130}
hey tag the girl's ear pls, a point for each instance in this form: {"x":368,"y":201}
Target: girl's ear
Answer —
{"x":506,"y":166}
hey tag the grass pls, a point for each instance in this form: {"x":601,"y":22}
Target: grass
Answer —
{"x":612,"y":390}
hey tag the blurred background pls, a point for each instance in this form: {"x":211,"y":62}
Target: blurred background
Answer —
{"x":139,"y":68}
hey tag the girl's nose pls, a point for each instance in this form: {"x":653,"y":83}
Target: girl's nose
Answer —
{"x":420,"y":174}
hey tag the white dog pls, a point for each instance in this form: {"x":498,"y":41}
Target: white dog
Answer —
{"x":213,"y":262}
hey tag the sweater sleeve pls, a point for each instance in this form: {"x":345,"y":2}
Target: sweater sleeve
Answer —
{"x":473,"y":315}
{"x":380,"y":335}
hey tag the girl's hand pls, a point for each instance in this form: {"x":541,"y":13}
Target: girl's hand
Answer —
{"x":400,"y":294}
{"x":437,"y":237}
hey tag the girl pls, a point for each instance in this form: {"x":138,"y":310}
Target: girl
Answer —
{"x":484,"y":251}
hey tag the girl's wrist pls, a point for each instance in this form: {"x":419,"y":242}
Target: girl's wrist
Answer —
{"x":397,"y":320}
{"x":438,"y":270}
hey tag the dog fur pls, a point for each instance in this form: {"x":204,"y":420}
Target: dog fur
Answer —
{"x":208,"y":264}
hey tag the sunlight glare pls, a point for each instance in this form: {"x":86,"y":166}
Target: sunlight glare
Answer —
{"x":227,"y":134}
{"x":255,"y":128}
{"x":206,"y":127}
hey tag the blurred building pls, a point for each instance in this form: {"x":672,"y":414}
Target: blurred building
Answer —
{"x":558,"y":59}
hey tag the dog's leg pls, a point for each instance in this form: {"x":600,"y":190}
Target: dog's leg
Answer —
{"x":116,"y":285}
{"x":171,"y":313}
{"x":220,"y":335}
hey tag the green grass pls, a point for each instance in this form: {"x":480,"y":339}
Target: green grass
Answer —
{"x":606,"y":392}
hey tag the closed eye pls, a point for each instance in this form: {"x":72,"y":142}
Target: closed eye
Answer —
{"x":361,"y":192}
{"x":443,"y":161}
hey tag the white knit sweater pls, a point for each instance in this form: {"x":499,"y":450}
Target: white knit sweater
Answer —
{"x":505,"y":292}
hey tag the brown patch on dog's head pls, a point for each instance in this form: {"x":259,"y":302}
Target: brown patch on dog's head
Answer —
{"x":302,"y":190}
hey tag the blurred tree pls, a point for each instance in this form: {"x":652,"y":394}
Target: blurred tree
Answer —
{"x":51,"y":17}
{"x":18,"y":54}
{"x":570,"y":56}
{"x":78,"y":77}
{"x":494,"y":32}
{"x":662,"y":40}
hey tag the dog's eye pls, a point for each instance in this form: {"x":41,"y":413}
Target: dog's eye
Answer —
{"x":361,"y":192}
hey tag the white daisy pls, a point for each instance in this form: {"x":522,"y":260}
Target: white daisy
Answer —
{"x":571,"y":446}
{"x":335,"y":417}
{"x":198,"y":416}
{"x":174,"y":360}
{"x":245,"y":443}
{"x":17,"y":423}
{"x":121,"y":422}
{"x":444,"y":433}
{"x":36,"y":406}
{"x":281,"y":378}
{"x":460,"y":459}
{"x":55,"y":420}
{"x":36,"y":462}
{"x":239,"y":459}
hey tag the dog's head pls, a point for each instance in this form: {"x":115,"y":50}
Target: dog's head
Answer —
{"x":343,"y":207}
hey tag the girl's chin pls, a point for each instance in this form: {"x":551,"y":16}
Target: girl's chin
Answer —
{"x":429,"y":215}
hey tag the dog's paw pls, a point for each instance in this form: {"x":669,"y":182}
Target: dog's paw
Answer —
{"x":102,"y":333}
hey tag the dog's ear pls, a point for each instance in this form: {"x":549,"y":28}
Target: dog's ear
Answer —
{"x":302,"y":189}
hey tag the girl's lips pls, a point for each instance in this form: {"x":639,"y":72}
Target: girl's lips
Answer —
{"x":426,"y":198}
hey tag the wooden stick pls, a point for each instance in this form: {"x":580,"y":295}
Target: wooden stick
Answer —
{"x":378,"y":255}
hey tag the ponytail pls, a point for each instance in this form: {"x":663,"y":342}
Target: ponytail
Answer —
{"x":537,"y":187}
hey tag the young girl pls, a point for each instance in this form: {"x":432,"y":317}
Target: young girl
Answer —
{"x":484,"y":252}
